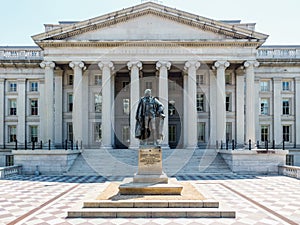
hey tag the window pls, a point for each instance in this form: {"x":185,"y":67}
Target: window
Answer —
{"x":126,"y":106}
{"x":9,"y":160}
{"x":264,"y":130}
{"x":125,"y":85}
{"x":228,"y":78}
{"x":264,"y":86}
{"x":70,"y":131}
{"x":12,"y":87}
{"x":97,"y":132}
{"x":228,"y":102}
{"x":70,"y":79}
{"x":199,"y":80}
{"x":264,"y":106}
{"x":229,"y":131}
{"x":201,"y":132}
{"x":70,"y":102}
{"x":33,"y":133}
{"x":98,"y":80}
{"x":200,"y":102}
{"x":33,"y":86}
{"x":13,"y":107}
{"x":126,"y":134}
{"x":286,"y":133}
{"x":285,"y":85}
{"x":285,"y":107}
{"x":34,"y":107}
{"x":172,"y":133}
{"x":289,"y":160}
{"x":98,"y":102}
{"x":12,"y":133}
{"x":148,"y":85}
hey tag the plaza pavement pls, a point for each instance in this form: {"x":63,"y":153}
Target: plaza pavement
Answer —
{"x":42,"y":200}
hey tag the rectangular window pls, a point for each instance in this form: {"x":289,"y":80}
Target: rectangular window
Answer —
{"x":12,"y":87}
{"x":285,"y":107}
{"x":126,"y":106}
{"x":228,"y":131}
{"x":200,"y":102}
{"x":34,"y":107}
{"x":33,"y":133}
{"x":264,"y":106}
{"x":70,"y":131}
{"x":125,"y":86}
{"x":70,"y":79}
{"x":286,"y":133}
{"x":289,"y":160}
{"x":126,"y":134}
{"x":228,"y":79}
{"x":98,"y":103}
{"x":12,"y":133}
{"x":285,"y":85}
{"x":264,"y":131}
{"x":34,"y":86}
{"x":228,"y":102}
{"x":264,"y":86}
{"x":98,"y":80}
{"x":199,"y":80}
{"x":97,"y":132}
{"x":172,"y":133}
{"x":12,"y":107}
{"x":70,"y":102}
{"x":201,"y":132}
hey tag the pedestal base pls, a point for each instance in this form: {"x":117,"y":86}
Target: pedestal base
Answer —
{"x":151,"y":179}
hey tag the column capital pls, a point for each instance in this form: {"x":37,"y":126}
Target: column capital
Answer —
{"x":221,"y":64}
{"x":192,"y":64}
{"x":47,"y":65}
{"x":249,"y":63}
{"x":161,"y":64}
{"x":75,"y":64}
{"x":107,"y":64}
{"x":137,"y":64}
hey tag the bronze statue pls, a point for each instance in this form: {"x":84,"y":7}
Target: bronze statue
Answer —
{"x":149,"y":119}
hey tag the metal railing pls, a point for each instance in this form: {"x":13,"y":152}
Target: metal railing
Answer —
{"x":9,"y":171}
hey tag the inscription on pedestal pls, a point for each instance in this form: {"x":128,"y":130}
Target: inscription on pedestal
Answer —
{"x":150,"y":161}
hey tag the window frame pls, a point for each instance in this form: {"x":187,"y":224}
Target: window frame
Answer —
{"x":34,"y":110}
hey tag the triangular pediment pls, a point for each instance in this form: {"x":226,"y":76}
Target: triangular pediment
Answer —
{"x":149,"y":21}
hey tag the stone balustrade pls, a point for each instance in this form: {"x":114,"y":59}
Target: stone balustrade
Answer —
{"x":290,"y":171}
{"x":9,"y":170}
{"x":277,"y":52}
{"x":21,"y":53}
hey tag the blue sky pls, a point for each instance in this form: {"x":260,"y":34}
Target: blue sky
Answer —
{"x":20,"y":19}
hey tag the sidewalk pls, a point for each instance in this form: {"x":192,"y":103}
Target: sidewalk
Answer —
{"x":45,"y":200}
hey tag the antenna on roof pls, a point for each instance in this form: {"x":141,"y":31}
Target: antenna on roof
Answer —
{"x":157,"y":1}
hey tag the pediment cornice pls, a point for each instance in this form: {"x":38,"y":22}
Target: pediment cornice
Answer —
{"x":124,"y":15}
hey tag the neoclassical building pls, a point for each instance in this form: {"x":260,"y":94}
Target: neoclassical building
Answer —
{"x":82,"y":81}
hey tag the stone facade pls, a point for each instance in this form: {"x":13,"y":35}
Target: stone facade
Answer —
{"x":83,"y":80}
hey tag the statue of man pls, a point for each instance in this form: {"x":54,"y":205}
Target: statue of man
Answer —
{"x":149,"y":110}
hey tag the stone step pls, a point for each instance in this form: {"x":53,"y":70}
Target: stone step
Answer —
{"x":151,"y":213}
{"x":152,"y":204}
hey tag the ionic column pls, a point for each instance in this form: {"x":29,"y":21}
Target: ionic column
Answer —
{"x":297,"y":110}
{"x":106,"y":123}
{"x":58,"y":80}
{"x":212,"y":108}
{"x":77,"y":115}
{"x":49,"y":100}
{"x":134,"y":67}
{"x":191,"y":68}
{"x":185,"y":109}
{"x":163,"y":68}
{"x":21,"y":111}
{"x":277,"y":110}
{"x":240,"y":102}
{"x":42,"y":111}
{"x":221,"y":97}
{"x":2,"y":112}
{"x":250,"y":101}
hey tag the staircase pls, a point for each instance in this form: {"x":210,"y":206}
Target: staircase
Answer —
{"x":123,"y":162}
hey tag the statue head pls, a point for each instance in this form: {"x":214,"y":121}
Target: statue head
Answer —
{"x":147,"y":92}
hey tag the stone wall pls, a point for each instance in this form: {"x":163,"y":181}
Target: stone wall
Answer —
{"x":254,"y":161}
{"x":53,"y":162}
